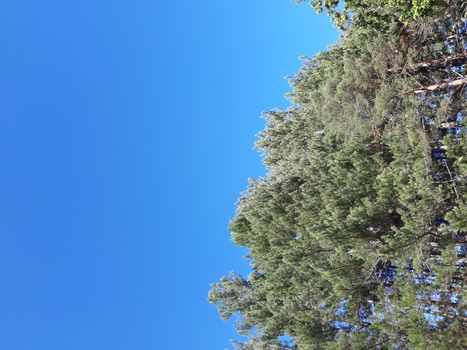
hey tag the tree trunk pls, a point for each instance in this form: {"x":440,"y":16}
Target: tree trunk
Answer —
{"x":442,"y":85}
{"x":439,"y":62}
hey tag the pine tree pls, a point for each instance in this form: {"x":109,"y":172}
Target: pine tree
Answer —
{"x":357,"y":234}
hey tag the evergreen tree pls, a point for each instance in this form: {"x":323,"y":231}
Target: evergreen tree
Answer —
{"x":357,"y":234}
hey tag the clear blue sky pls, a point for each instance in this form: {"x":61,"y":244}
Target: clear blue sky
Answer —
{"x":126,"y":133}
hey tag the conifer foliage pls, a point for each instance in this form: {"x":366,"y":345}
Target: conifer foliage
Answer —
{"x":357,"y":234}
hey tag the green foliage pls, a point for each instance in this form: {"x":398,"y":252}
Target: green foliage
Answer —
{"x":415,"y":10}
{"x":374,"y":13}
{"x":354,"y":233}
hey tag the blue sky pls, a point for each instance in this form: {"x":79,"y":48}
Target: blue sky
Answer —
{"x":126,"y":133}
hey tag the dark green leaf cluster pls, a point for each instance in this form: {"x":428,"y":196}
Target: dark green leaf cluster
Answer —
{"x":375,"y":13}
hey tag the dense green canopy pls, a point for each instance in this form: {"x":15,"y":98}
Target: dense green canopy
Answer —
{"x":357,"y":234}
{"x":376,"y":12}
